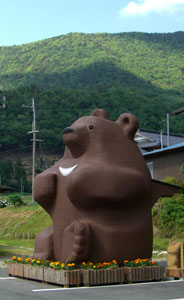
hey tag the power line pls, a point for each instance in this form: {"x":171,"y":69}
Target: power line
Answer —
{"x":15,"y":150}
{"x":65,"y":110}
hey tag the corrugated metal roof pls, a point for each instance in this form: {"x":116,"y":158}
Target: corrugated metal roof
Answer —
{"x":155,"y":136}
{"x":177,"y":146}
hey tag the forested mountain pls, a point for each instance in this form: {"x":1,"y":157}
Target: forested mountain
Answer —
{"x":73,"y":74}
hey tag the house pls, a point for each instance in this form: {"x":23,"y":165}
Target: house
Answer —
{"x":166,"y":161}
{"x":4,"y":189}
{"x":150,"y":140}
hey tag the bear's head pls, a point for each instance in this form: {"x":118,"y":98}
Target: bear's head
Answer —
{"x":95,"y":134}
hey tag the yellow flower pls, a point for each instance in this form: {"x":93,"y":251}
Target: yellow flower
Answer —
{"x":14,"y":258}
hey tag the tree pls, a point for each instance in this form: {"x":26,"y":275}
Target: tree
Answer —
{"x":20,"y":175}
{"x":6,"y":172}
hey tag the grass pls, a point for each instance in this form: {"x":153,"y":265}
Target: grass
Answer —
{"x":19,"y":221}
{"x":16,"y":247}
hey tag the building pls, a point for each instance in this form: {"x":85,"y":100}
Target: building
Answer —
{"x":166,"y":162}
{"x":150,"y":140}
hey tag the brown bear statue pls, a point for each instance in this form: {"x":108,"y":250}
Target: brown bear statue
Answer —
{"x":99,"y":194}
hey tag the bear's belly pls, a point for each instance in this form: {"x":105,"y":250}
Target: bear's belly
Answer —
{"x":93,"y":185}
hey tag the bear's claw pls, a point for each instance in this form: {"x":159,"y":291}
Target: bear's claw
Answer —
{"x":76,"y":241}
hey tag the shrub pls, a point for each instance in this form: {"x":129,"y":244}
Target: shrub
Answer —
{"x":168,"y":215}
{"x":171,"y":180}
{"x":16,"y":200}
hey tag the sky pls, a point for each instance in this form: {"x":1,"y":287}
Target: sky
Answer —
{"x":25,"y":21}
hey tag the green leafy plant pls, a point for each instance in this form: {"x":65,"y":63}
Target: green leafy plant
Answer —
{"x":171,"y":180}
{"x":168,"y":215}
{"x":16,"y":200}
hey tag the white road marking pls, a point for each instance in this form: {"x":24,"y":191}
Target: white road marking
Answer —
{"x":106,"y":286}
{"x":6,"y":278}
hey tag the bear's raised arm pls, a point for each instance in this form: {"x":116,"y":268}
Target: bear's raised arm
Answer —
{"x":162,"y":189}
{"x":45,"y":188}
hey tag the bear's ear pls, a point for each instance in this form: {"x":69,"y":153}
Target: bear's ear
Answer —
{"x":129,"y":124}
{"x":100,"y":113}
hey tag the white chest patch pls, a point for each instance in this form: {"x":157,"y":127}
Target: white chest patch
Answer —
{"x":67,"y":171}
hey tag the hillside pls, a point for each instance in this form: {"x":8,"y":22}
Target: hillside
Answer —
{"x":23,"y":222}
{"x":70,"y":75}
{"x":79,"y":60}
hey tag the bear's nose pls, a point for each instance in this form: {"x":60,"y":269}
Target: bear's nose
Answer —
{"x":67,"y":130}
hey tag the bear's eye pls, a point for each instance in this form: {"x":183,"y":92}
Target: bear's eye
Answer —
{"x":90,"y":126}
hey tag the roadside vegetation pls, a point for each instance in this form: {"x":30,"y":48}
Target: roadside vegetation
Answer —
{"x":19,"y":226}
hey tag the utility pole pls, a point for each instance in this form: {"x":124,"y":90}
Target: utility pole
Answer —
{"x":161,"y":139}
{"x":168,"y":130}
{"x":33,"y":132}
{"x":34,"y":147}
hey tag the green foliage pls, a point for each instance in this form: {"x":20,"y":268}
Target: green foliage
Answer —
{"x":15,"y":199}
{"x":73,"y":74}
{"x":6,"y":172}
{"x":171,"y":180}
{"x":168,"y":215}
{"x":160,"y":244}
{"x":182,"y":170}
{"x":14,"y":175}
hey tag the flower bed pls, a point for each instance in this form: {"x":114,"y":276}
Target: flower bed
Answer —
{"x":87,"y":273}
{"x":46,"y":271}
{"x":101,"y":273}
{"x":142,"y":270}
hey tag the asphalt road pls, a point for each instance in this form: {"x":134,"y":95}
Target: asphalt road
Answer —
{"x":12,"y":288}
